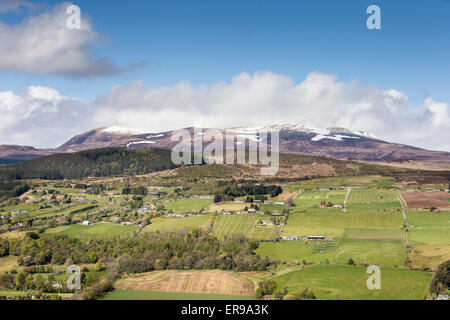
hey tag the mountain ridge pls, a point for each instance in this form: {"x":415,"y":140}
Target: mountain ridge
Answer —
{"x":333,"y":142}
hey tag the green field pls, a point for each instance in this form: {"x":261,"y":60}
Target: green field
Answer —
{"x":166,"y":224}
{"x":429,"y":227}
{"x":424,"y":219}
{"x":374,"y":234}
{"x":373,"y":199}
{"x":98,"y":230}
{"x":187,"y":205}
{"x":437,"y":236}
{"x":294,"y":251}
{"x":331,"y":222}
{"x":311,"y":198}
{"x":381,"y":253}
{"x":339,"y":182}
{"x":349,"y":282}
{"x":245,"y":224}
{"x":152,"y":295}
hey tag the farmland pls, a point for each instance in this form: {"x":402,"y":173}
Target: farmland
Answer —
{"x":200,"y":282}
{"x":165,"y":213}
{"x":349,"y":282}
{"x":428,"y":199}
{"x":86,"y":232}
{"x":166,"y":224}
{"x":246,"y":224}
{"x":155,"y":295}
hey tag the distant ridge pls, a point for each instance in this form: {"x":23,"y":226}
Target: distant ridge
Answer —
{"x":338,"y":143}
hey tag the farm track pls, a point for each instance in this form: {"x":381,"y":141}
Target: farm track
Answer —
{"x":346,"y":197}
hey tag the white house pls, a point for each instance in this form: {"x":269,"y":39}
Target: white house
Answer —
{"x":86,"y":223}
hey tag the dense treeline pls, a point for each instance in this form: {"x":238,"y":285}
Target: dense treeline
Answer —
{"x":185,"y":249}
{"x":12,"y":189}
{"x":440,"y":284}
{"x":98,"y":163}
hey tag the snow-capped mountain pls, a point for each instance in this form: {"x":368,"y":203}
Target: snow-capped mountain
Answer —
{"x":338,"y":143}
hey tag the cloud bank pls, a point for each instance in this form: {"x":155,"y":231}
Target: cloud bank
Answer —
{"x":262,"y":98}
{"x":43,"y":44}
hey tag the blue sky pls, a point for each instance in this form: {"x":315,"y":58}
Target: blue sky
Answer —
{"x":210,"y":41}
{"x":192,"y":59}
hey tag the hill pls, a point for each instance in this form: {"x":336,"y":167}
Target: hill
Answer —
{"x":99,"y":163}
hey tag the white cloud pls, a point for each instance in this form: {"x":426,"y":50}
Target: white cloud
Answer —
{"x":267,"y":98}
{"x":43,"y":44}
{"x":42,"y":117}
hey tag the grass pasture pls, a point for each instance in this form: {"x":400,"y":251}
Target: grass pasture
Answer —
{"x":313,"y":198}
{"x":429,"y":256}
{"x":245,"y":224}
{"x":349,"y":283}
{"x":374,"y":234}
{"x":381,"y":252}
{"x":167,"y":224}
{"x":98,"y":230}
{"x":290,"y":251}
{"x":231,"y":206}
{"x":187,"y":205}
{"x":332,"y":223}
{"x":7,"y":263}
{"x":373,"y":200}
{"x":435,"y":236}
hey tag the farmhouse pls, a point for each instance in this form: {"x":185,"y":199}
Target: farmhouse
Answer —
{"x":143,"y":210}
{"x":293,"y":238}
{"x":276,"y":213}
{"x":316,"y":237}
{"x":251,"y":210}
{"x":279,"y":203}
{"x":86,"y":223}
{"x":268,"y":223}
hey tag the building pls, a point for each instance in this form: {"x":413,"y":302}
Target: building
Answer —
{"x":86,"y":223}
{"x":143,"y":210}
{"x":294,"y":238}
{"x":268,"y":223}
{"x":316,"y":237}
{"x":276,"y":213}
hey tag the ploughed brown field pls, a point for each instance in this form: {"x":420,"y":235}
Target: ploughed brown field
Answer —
{"x":420,"y":200}
{"x":206,"y":282}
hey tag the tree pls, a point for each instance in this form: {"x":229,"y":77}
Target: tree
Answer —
{"x":305,"y":295}
{"x":218,"y":198}
{"x":441,"y":280}
{"x":350,"y":262}
{"x":266,"y":287}
{"x":100,"y":266}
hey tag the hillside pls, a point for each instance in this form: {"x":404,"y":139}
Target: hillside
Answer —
{"x":338,"y":143}
{"x":98,"y":163}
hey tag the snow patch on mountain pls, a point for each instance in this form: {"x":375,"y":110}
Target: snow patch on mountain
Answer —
{"x":140,"y":142}
{"x":120,"y":130}
{"x":336,"y":137}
